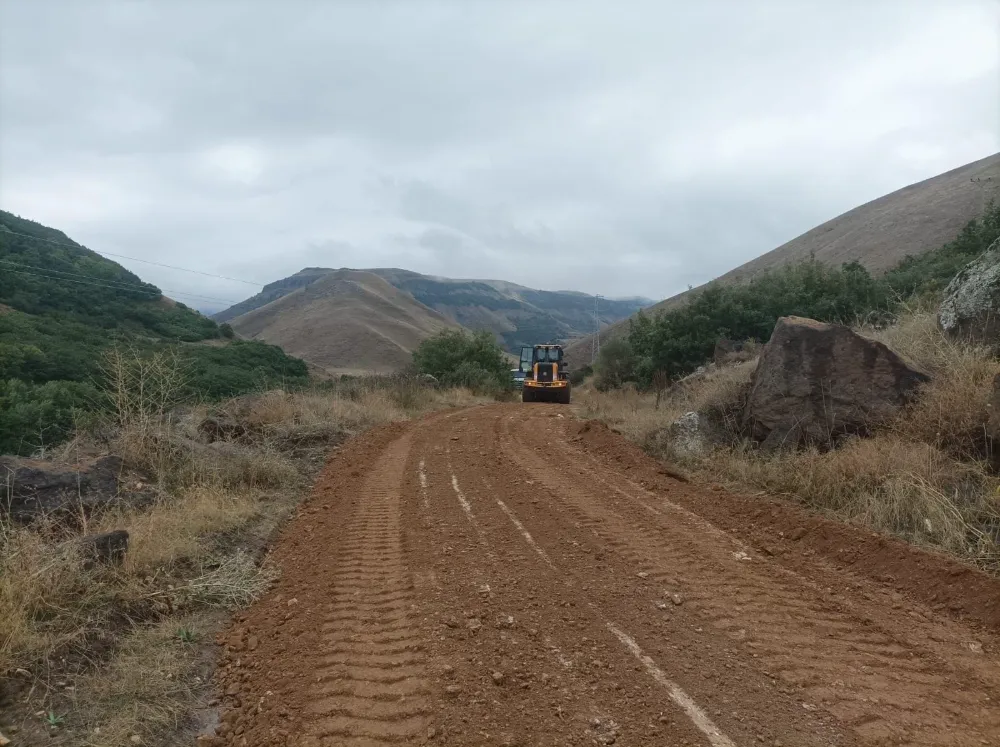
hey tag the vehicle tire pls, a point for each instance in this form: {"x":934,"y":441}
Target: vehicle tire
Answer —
{"x":526,"y":395}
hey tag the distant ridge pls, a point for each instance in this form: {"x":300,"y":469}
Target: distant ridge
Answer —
{"x":345,"y":321}
{"x":517,"y":315}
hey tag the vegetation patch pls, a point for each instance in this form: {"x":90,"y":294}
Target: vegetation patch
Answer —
{"x":65,"y":306}
{"x":678,"y":341}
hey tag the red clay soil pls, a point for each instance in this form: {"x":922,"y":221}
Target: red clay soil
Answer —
{"x":502,"y":576}
{"x":789,"y":532}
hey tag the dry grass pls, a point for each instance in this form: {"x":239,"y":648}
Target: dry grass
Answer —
{"x":636,"y":416}
{"x":147,"y":687}
{"x":906,"y":488}
{"x":923,"y":476}
{"x":207,"y":507}
{"x":951,"y":413}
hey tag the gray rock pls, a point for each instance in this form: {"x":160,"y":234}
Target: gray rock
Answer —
{"x":971,"y":308}
{"x":692,"y":434}
{"x":817,"y":383}
{"x":31,"y":488}
{"x":107,"y":549}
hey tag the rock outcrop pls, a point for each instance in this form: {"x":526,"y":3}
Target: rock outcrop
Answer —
{"x":31,"y":488}
{"x":693,"y":434}
{"x":816,"y":383}
{"x":971,"y":308}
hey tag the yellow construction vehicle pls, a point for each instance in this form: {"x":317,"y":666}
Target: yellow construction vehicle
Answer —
{"x":545,"y":376}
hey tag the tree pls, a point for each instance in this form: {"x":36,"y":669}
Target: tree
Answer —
{"x":457,"y":358}
{"x":615,"y":365}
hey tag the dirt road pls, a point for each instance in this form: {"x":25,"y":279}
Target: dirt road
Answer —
{"x":508,"y":575}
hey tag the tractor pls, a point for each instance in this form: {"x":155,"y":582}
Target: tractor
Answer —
{"x":545,"y":376}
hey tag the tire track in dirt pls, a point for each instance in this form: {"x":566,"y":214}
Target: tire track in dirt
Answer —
{"x":502,"y":608}
{"x":476,"y":578}
{"x":370,"y":685}
{"x":882,"y":687}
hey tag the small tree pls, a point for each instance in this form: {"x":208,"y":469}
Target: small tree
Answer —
{"x":457,"y":358}
{"x":615,"y":365}
{"x":226,"y":331}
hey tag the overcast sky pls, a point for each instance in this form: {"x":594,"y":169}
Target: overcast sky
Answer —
{"x":621,"y":148}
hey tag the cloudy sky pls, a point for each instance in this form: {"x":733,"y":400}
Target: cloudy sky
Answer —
{"x":619,"y":147}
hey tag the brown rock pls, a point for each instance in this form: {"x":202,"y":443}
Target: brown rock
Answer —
{"x":818,"y":382}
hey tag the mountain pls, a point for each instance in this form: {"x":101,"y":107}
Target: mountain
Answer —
{"x":345,"y":321}
{"x":516,"y":314}
{"x":879,"y":234}
{"x":62,"y":306}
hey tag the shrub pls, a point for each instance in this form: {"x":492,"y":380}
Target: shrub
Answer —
{"x":36,"y":416}
{"x":615,"y":365}
{"x":457,"y":358}
{"x":680,"y":340}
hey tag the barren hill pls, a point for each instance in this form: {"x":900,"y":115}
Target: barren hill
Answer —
{"x":878,"y":234}
{"x":515,"y":314}
{"x":347,"y":321}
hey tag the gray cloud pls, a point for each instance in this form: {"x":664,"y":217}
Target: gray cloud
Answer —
{"x":618,"y":148}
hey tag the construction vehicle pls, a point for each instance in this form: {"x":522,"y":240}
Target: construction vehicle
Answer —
{"x":545,"y":376}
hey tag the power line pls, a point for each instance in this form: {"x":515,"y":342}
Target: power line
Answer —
{"x":106,"y":281}
{"x":133,"y":289}
{"x":134,"y":259}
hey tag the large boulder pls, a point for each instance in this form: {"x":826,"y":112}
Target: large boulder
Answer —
{"x":816,"y":383}
{"x":31,"y":488}
{"x":971,"y":307}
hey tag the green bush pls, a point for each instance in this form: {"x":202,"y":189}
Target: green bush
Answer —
{"x":580,"y":375}
{"x":615,"y":365}
{"x":33,"y":416}
{"x":457,"y":358}
{"x":680,"y":340}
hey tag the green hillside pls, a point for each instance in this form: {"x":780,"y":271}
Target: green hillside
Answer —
{"x":62,"y":306}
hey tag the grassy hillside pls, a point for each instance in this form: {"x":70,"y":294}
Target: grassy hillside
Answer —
{"x":62,"y":306}
{"x":348,"y":321}
{"x":678,"y":340}
{"x":515,"y":314}
{"x":879,"y":234}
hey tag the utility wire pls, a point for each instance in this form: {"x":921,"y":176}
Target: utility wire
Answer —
{"x":95,"y":278}
{"x":107,"y":282}
{"x":134,"y":259}
{"x":133,"y":289}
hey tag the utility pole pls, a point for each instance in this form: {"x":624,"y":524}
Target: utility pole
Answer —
{"x":595,"y":348}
